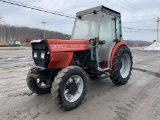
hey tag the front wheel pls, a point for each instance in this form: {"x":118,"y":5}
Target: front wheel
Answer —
{"x":122,"y":66}
{"x":70,"y":87}
{"x":36,"y":85}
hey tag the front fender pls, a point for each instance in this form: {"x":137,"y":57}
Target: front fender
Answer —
{"x":60,"y":59}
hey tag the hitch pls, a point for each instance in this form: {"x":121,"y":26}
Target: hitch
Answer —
{"x":36,"y":72}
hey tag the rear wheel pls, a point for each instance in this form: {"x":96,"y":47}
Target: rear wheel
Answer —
{"x":69,"y":87}
{"x":36,"y":85}
{"x":122,"y":66}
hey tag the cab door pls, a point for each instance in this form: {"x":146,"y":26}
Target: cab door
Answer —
{"x":107,"y":36}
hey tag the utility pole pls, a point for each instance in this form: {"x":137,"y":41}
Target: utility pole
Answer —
{"x":158,"y":27}
{"x":44,"y":34}
{"x":4,"y":32}
{"x":1,"y":26}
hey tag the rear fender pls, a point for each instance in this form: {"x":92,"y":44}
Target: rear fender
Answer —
{"x":119,"y":44}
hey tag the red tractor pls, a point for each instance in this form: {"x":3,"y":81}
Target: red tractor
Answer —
{"x":62,"y":67}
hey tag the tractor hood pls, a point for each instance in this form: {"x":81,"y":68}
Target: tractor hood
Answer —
{"x":56,"y":45}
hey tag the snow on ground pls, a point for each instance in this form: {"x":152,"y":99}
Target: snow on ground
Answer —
{"x":154,"y":46}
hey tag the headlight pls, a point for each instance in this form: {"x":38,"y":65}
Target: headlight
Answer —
{"x":42,"y":55}
{"x":35,"y":55}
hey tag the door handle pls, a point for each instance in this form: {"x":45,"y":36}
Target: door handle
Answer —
{"x":101,"y":42}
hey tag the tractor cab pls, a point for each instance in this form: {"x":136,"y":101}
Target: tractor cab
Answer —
{"x":102,"y":26}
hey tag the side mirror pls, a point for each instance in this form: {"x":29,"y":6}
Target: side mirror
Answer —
{"x":101,"y":42}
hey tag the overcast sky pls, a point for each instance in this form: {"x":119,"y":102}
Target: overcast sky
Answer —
{"x":138,"y":14}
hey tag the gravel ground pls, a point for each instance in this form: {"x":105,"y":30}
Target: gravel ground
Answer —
{"x":137,"y":100}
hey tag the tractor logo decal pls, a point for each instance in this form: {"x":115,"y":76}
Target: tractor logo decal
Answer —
{"x":67,"y":46}
{"x":57,"y":46}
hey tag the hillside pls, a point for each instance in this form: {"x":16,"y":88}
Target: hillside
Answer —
{"x":21,"y":33}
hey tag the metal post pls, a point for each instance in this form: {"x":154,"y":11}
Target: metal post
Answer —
{"x":1,"y":26}
{"x":4,"y":34}
{"x":157,"y":28}
{"x":44,"y":35}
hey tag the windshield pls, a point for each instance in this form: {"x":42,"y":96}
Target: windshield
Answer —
{"x":86,"y":27}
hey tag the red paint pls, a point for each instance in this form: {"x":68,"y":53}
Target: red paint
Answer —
{"x":56,"y":45}
{"x":114,"y":52}
{"x":61,"y":51}
{"x":104,"y":65}
{"x":60,"y":59}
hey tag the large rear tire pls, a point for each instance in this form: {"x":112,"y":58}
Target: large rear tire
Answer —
{"x":122,"y":66}
{"x":36,"y":85}
{"x":69,"y":87}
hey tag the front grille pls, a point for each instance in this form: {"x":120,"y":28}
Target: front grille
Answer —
{"x":40,"y":63}
{"x":37,"y":50}
{"x":40,"y":46}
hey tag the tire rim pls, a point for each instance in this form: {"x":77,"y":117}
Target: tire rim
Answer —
{"x":73,"y":88}
{"x":125,"y":65}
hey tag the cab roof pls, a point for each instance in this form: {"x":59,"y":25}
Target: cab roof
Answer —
{"x":98,"y":9}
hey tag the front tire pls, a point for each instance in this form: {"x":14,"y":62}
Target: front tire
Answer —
{"x":36,"y":85}
{"x":69,"y":87}
{"x":122,"y":66}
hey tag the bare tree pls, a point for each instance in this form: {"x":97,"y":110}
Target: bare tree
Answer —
{"x":21,"y":33}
